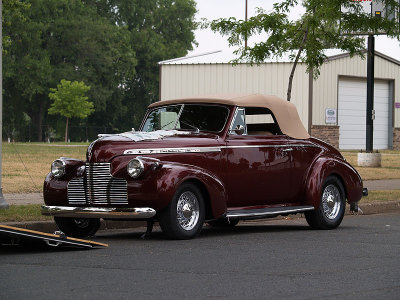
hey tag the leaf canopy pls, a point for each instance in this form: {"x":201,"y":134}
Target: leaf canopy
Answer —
{"x":69,"y":100}
{"x":324,"y":22}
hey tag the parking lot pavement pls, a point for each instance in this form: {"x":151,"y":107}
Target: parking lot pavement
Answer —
{"x":24,"y":199}
{"x":276,"y":259}
{"x":386,"y":184}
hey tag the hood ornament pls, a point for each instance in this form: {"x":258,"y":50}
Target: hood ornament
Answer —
{"x":89,"y":151}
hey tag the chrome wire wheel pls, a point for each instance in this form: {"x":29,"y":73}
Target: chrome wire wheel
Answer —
{"x":187,"y":210}
{"x":331,"y":201}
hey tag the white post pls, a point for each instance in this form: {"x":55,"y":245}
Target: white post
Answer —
{"x":3,"y":203}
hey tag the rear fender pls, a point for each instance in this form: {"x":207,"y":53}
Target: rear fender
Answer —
{"x":326,"y":166}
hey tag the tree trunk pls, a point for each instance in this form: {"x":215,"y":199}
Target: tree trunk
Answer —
{"x":36,"y":117}
{"x":40,"y":119}
{"x":66,"y":131}
{"x":289,"y":90}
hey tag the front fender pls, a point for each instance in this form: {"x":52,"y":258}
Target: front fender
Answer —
{"x":325,"y":166}
{"x":174,"y":174}
{"x":55,"y":189}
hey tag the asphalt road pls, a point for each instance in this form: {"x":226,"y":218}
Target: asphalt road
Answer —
{"x":267,"y":260}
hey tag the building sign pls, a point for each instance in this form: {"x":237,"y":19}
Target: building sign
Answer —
{"x":330,"y":116}
{"x":375,"y":8}
{"x":397,"y":104}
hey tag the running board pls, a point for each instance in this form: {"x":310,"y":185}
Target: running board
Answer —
{"x":248,"y":214}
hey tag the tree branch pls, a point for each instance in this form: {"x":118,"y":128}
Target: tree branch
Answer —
{"x":303,"y":42}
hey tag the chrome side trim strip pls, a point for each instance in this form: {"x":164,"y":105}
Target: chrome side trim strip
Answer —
{"x":204,"y":149}
{"x":98,"y":212}
{"x":254,"y":146}
{"x":266,"y":212}
{"x":172,"y":150}
{"x":269,"y":146}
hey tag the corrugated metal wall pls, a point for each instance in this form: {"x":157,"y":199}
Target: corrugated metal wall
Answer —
{"x":181,"y":80}
{"x":325,"y":90}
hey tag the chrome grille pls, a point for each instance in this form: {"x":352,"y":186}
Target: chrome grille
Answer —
{"x":76,"y":191}
{"x":97,"y":187}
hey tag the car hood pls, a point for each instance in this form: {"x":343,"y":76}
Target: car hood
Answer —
{"x":109,"y":146}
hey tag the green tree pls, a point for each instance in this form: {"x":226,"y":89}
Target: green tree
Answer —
{"x":58,"y":39}
{"x":69,"y":100}
{"x":111,"y":45}
{"x":12,"y":9}
{"x":322,"y":26}
{"x":159,"y":30}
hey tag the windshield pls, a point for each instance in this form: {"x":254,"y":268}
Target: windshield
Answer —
{"x":194,"y":117}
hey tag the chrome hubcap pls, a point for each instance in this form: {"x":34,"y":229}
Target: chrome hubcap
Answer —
{"x":187,"y":210}
{"x":331,"y":201}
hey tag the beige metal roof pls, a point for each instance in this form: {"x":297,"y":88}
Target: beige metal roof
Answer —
{"x":284,"y":111}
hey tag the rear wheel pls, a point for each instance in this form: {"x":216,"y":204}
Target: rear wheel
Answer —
{"x":331,"y":209}
{"x":184,"y":216}
{"x":78,"y":227}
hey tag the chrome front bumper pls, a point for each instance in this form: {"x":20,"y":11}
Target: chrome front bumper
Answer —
{"x":138,"y":213}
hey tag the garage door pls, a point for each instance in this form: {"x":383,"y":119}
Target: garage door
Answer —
{"x":352,"y":114}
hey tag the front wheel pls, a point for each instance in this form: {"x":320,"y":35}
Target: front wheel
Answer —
{"x":184,"y":216}
{"x":78,"y":227}
{"x":331,"y":209}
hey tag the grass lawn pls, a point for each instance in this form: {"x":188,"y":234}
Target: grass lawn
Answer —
{"x":390,"y":166}
{"x":25,"y":165}
{"x":374,"y":196}
{"x":19,"y":213}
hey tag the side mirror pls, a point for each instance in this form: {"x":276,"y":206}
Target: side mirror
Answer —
{"x":239,"y":129}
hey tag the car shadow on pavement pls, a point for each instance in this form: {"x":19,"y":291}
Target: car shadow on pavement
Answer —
{"x":207,"y":232}
{"x":249,"y":229}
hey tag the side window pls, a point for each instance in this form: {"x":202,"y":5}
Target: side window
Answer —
{"x":261,"y":121}
{"x":239,"y":121}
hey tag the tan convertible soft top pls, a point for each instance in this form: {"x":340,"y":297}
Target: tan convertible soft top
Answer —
{"x":284,"y":111}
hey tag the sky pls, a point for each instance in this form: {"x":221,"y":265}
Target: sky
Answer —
{"x":215,"y":9}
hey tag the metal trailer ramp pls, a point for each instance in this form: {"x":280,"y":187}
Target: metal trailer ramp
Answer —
{"x":54,"y":240}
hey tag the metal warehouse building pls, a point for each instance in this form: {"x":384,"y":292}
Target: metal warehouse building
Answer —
{"x":333,"y":107}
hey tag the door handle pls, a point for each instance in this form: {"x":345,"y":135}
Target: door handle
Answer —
{"x":287,"y":150}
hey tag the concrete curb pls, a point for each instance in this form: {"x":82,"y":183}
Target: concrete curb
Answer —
{"x":50,"y":226}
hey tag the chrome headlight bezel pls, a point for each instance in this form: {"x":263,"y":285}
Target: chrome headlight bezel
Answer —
{"x":58,"y":168}
{"x":135,"y":167}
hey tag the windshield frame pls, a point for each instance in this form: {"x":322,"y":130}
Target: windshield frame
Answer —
{"x":149,"y":111}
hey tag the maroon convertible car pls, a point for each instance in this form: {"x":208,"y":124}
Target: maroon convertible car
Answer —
{"x":215,"y":159}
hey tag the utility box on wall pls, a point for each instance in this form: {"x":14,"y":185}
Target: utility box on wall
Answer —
{"x":378,"y":9}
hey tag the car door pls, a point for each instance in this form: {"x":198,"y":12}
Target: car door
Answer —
{"x":257,"y":160}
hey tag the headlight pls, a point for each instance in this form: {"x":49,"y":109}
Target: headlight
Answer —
{"x":58,"y":168}
{"x":135,"y":168}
